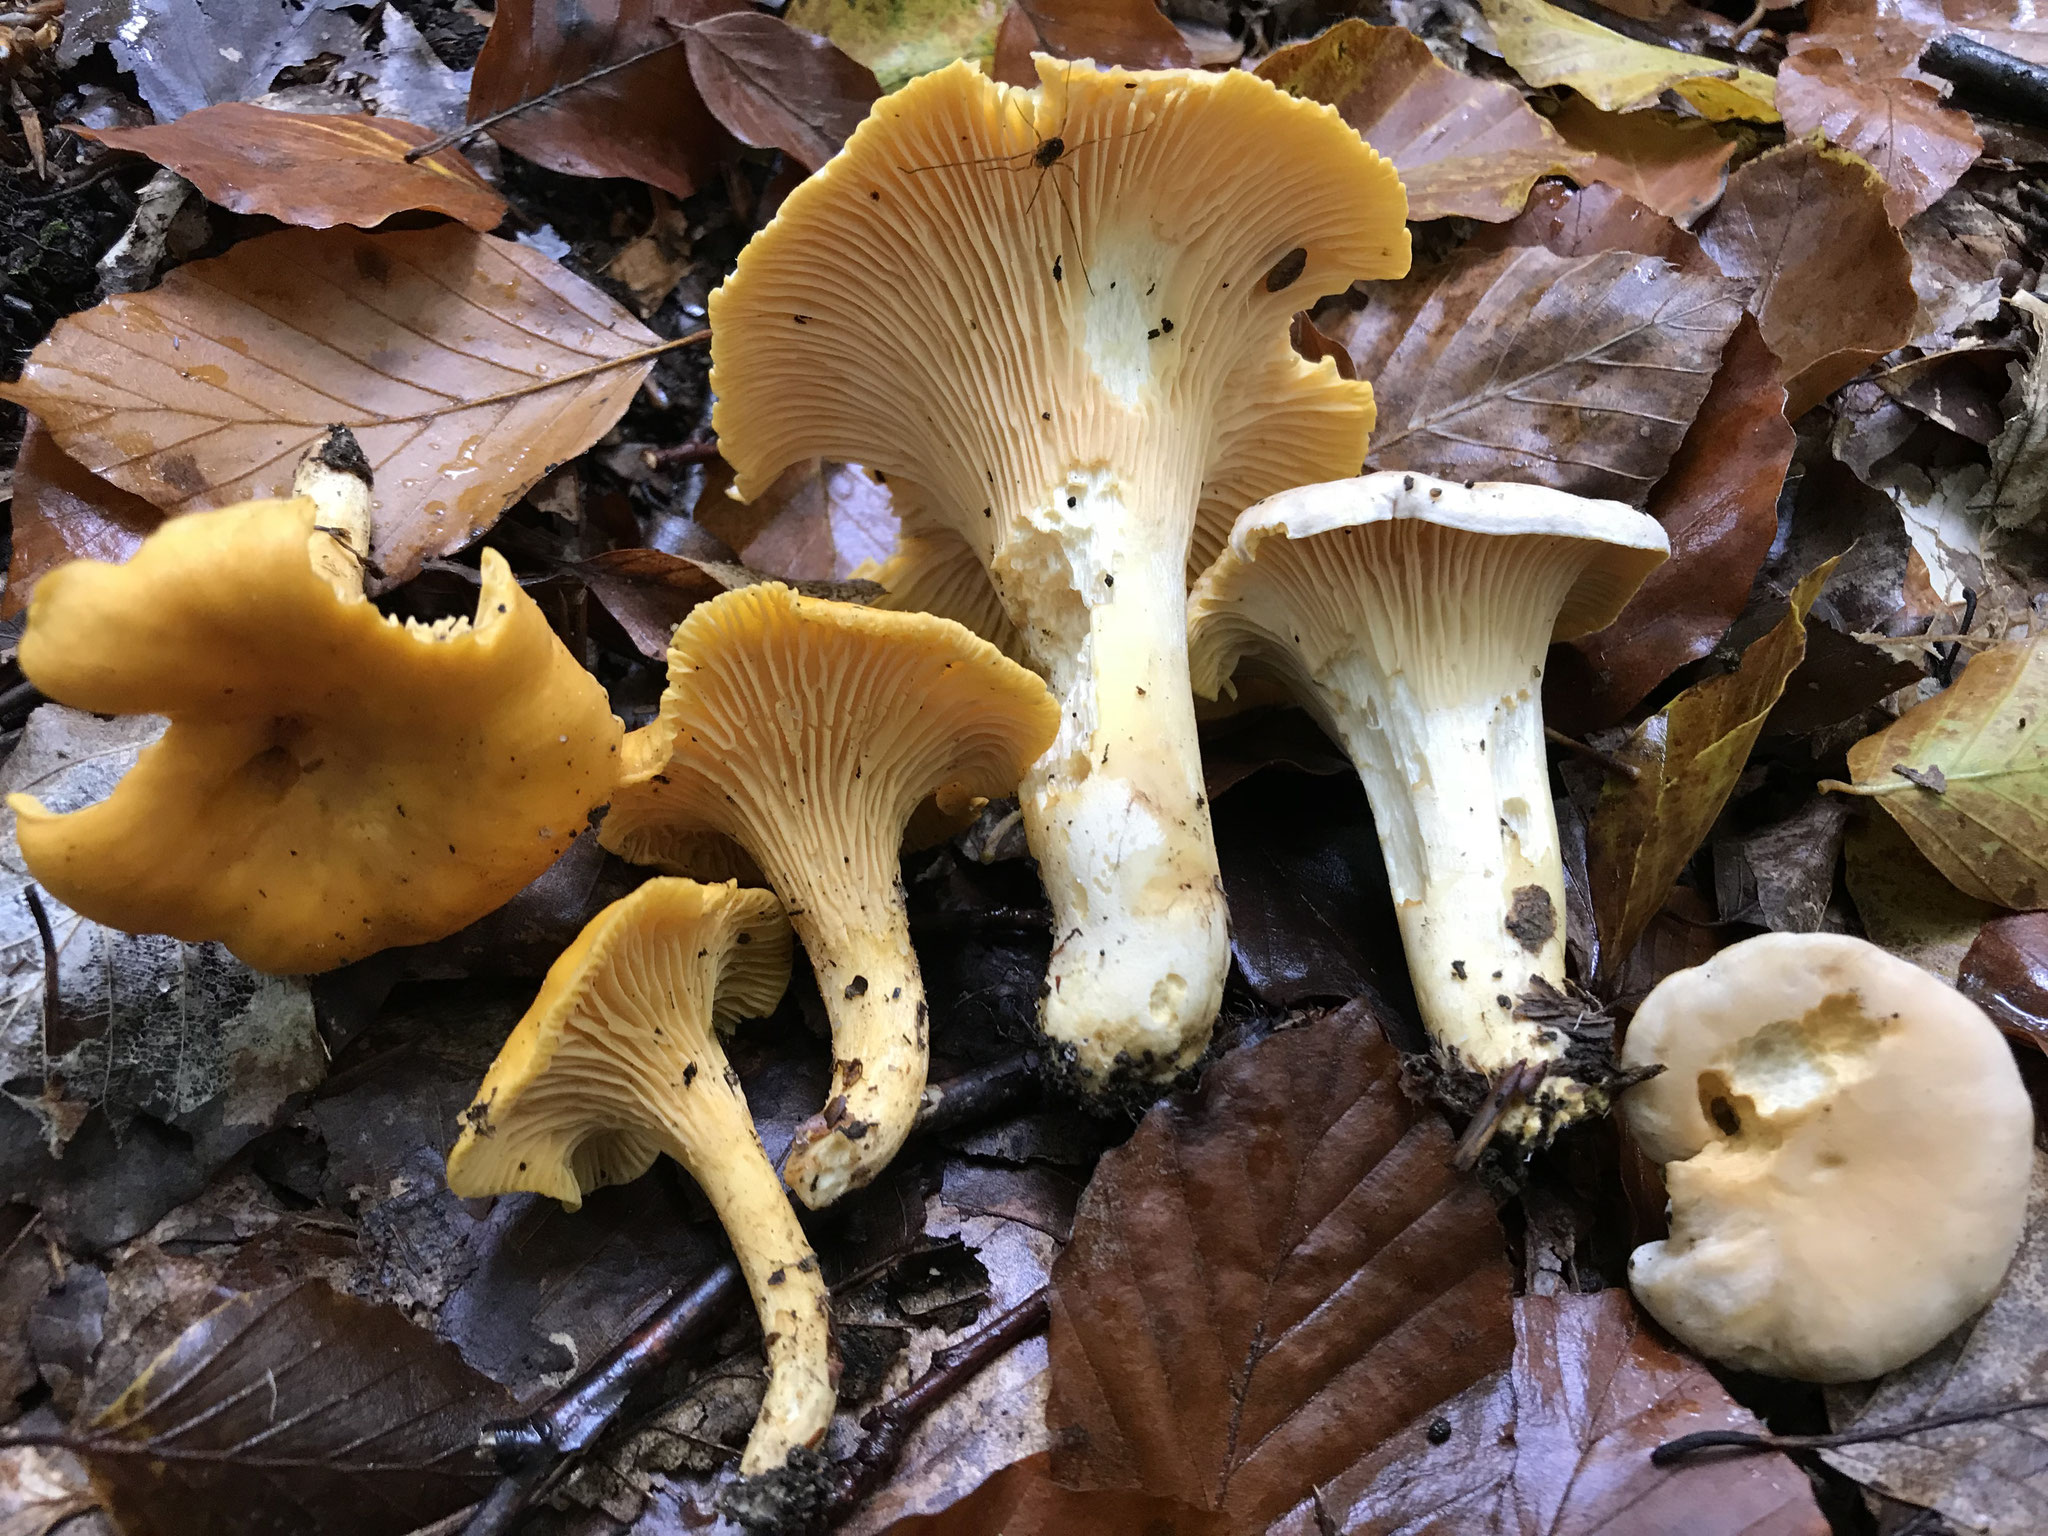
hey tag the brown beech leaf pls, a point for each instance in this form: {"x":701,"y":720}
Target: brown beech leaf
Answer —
{"x":311,"y":169}
{"x":645,"y":121}
{"x":1559,"y":1444}
{"x":1465,"y":147}
{"x":1718,"y":503}
{"x":1674,"y":164}
{"x":436,"y":346}
{"x":2005,"y":972}
{"x":775,"y":86}
{"x":1131,"y":33}
{"x":1580,"y":373}
{"x":1023,"y":1500}
{"x":1582,"y":221}
{"x":650,"y":591}
{"x":1688,"y":757}
{"x":1832,"y":283}
{"x":821,"y":521}
{"x":1918,"y":146}
{"x":1277,"y":1272}
{"x":1966,"y":774}
{"x":327,"y":1414}
{"x":63,"y":511}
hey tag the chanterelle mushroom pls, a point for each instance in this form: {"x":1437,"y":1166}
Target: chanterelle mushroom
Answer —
{"x":1847,"y":1145}
{"x":807,"y":731}
{"x":618,"y":1061}
{"x":333,"y":782}
{"x":1057,"y":319}
{"x":1411,"y":616}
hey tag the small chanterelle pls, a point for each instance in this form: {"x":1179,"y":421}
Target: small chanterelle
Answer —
{"x":1847,"y":1147}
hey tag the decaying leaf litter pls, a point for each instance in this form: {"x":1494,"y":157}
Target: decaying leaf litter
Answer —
{"x":1768,"y":279}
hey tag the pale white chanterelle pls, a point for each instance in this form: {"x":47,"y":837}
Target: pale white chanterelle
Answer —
{"x":1057,"y":320}
{"x":1847,"y":1146}
{"x":1411,"y":617}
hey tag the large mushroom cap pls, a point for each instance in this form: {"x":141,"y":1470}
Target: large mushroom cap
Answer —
{"x":1847,"y":1145}
{"x":332,"y":782}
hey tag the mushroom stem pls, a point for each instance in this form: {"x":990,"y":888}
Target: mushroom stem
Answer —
{"x":335,"y":476}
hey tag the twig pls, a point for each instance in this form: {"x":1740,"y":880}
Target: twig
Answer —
{"x":1988,"y":79}
{"x":1607,"y":760}
{"x":1945,"y":668}
{"x":698,"y":450}
{"x":18,"y":701}
{"x":1508,"y":1090}
{"x":1672,"y":1451}
{"x":52,"y":996}
{"x":547,"y":97}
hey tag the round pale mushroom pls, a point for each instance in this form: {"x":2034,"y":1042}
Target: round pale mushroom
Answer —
{"x":333,"y":782}
{"x":807,"y":732}
{"x":1057,"y":319}
{"x":618,"y":1061}
{"x":1411,"y":616}
{"x":1847,"y":1146}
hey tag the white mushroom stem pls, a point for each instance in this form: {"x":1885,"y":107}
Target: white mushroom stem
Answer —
{"x":335,"y":477}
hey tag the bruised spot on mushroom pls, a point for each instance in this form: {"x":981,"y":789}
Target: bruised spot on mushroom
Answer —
{"x":1531,"y":918}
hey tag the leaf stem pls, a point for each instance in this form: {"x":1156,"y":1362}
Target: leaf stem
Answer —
{"x":536,"y":386}
{"x":1673,"y":1451}
{"x":547,"y":97}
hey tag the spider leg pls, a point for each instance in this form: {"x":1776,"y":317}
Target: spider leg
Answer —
{"x":1073,"y":229}
{"x":948,"y":165}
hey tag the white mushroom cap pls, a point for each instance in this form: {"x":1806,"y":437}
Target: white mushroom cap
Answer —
{"x":1847,"y":1147}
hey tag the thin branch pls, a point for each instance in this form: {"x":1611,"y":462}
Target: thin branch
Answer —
{"x":1607,"y":760}
{"x":547,"y":97}
{"x":1673,"y":1451}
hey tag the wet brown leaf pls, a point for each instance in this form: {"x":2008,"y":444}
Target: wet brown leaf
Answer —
{"x":820,"y":521}
{"x":63,"y":511}
{"x":1023,"y":1500}
{"x":775,"y":86}
{"x":650,"y":592}
{"x":1465,"y":147}
{"x":1906,"y":905}
{"x":41,"y":1491}
{"x":1718,"y":503}
{"x":1689,"y":756}
{"x":1558,"y":1445}
{"x":311,"y":169}
{"x":645,"y":121}
{"x":2005,"y":972}
{"x":1984,"y":820}
{"x":1580,"y":373}
{"x":1918,"y":146}
{"x":433,"y":345}
{"x":1832,"y":283}
{"x":1131,"y":33}
{"x":1275,"y":1274}
{"x":1673,"y":164}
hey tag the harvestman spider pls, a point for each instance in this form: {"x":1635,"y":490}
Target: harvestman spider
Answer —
{"x":1048,"y":155}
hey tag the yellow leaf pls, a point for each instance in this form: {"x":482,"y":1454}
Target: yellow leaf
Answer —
{"x":902,"y":39}
{"x":1549,"y":46}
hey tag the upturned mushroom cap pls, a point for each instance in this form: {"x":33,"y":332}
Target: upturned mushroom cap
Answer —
{"x":332,"y":782}
{"x":938,"y":572}
{"x":1412,"y":616}
{"x":1847,"y":1147}
{"x":808,"y":731}
{"x":618,"y":1061}
{"x":1057,"y":321}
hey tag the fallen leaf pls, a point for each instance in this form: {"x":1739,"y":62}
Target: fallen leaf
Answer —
{"x":775,"y":86}
{"x":318,"y":1413}
{"x":820,"y":521}
{"x":1546,"y":45}
{"x":1918,"y":146}
{"x":1891,"y":33}
{"x":399,"y":75}
{"x":311,"y":169}
{"x":1833,"y":286}
{"x":1781,"y":876}
{"x":1578,"y":373}
{"x":644,"y":120}
{"x":649,"y":266}
{"x":40,"y":1491}
{"x":1130,"y":33}
{"x":1674,"y":164}
{"x":1959,"y":248}
{"x":901,"y":39}
{"x":1961,"y":388}
{"x":650,"y":592}
{"x":172,"y":47}
{"x":1838,"y":679}
{"x":2005,"y":969}
{"x":1718,"y":503}
{"x":1688,"y":756}
{"x":2016,"y":490}
{"x":1271,"y":1277}
{"x":1989,"y":1477}
{"x":1908,"y":908}
{"x":1987,"y":829}
{"x":1464,"y":147}
{"x":467,"y":367}
{"x":1583,"y":221}
{"x":1558,"y":1445}
{"x":63,"y":511}
{"x":1023,"y":1500}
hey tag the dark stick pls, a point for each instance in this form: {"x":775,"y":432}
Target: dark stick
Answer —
{"x":553,"y":93}
{"x":52,"y":997}
{"x":18,"y":701}
{"x":1507,"y":1091}
{"x":1607,"y":760}
{"x":1945,"y":667}
{"x":1989,"y":80}
{"x":1672,"y":1451}
{"x":698,"y":450}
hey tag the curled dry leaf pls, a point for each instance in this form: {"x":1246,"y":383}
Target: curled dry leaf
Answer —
{"x":645,"y":120}
{"x":1547,"y":45}
{"x":311,"y":169}
{"x":1465,"y":147}
{"x":1132,"y":33}
{"x":466,"y":366}
{"x":1918,"y":146}
{"x":1674,"y":164}
{"x":1276,"y":1273}
{"x":294,"y":1408}
{"x":1832,"y":285}
{"x":775,"y":86}
{"x":1558,"y":1445}
{"x":63,"y":511}
{"x":1580,"y":373}
{"x":2016,"y":491}
{"x":1986,"y":826}
{"x":1688,"y":757}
